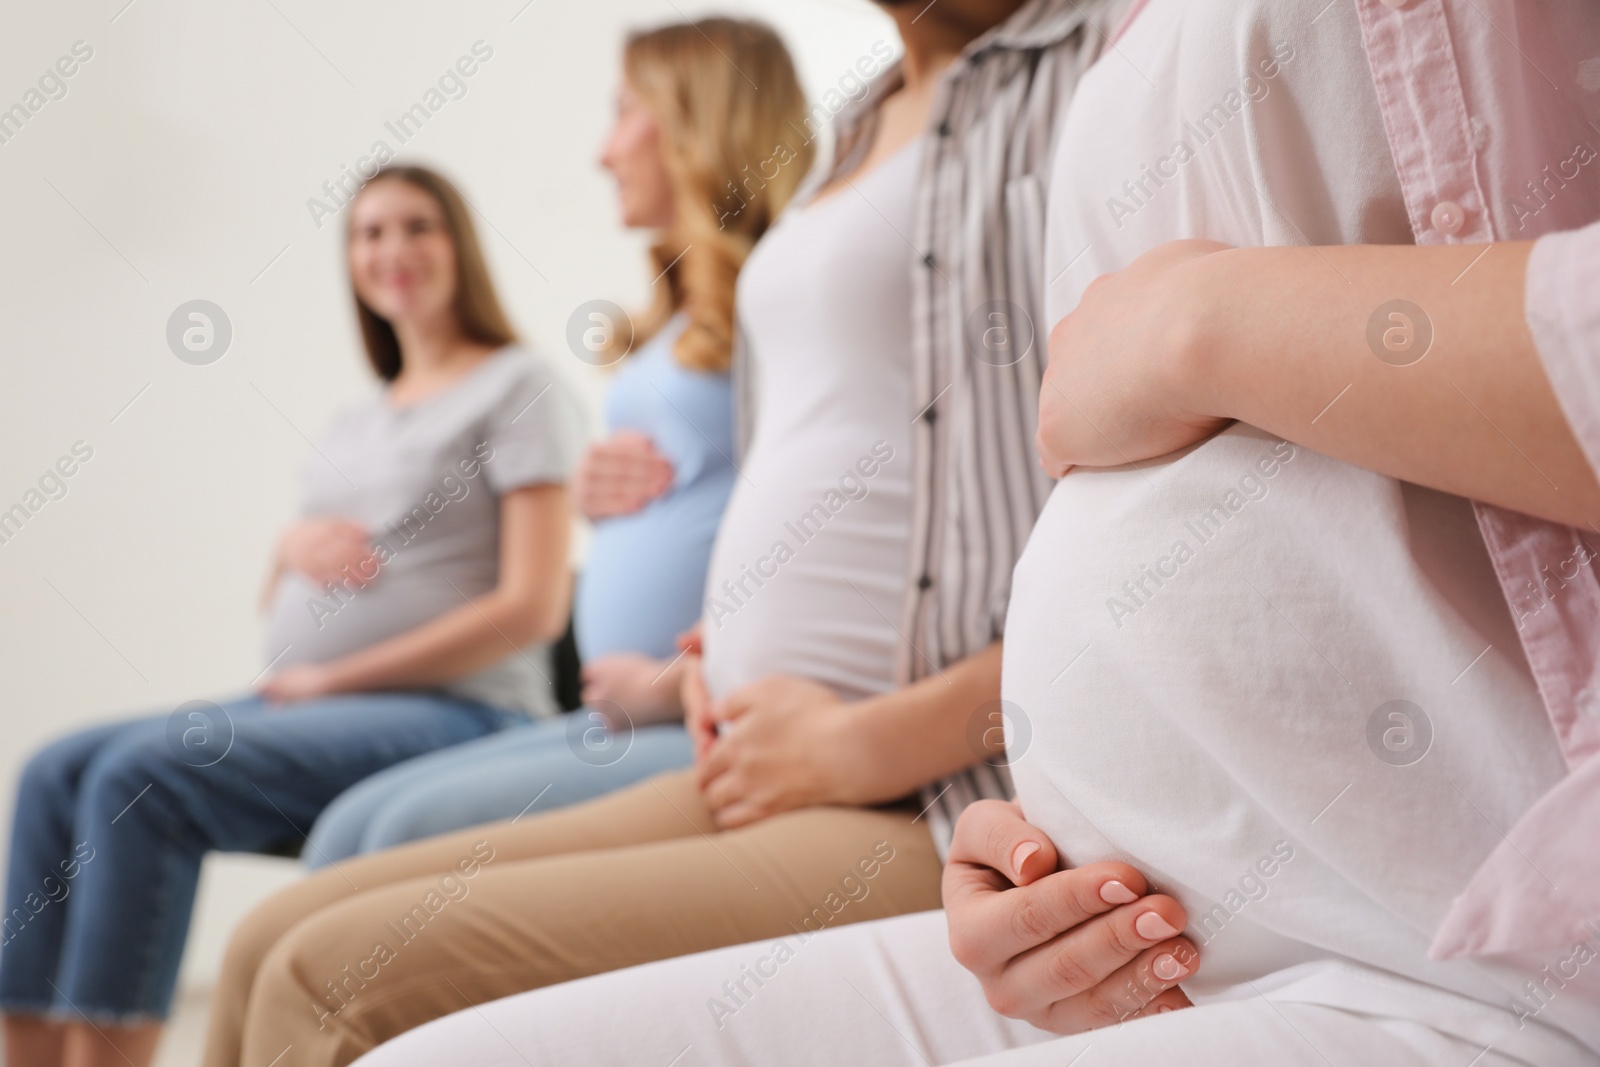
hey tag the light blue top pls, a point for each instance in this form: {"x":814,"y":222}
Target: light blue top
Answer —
{"x":645,"y":575}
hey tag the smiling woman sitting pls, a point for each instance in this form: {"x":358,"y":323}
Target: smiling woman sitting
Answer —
{"x":410,"y":606}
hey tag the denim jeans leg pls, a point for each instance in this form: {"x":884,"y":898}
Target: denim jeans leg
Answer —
{"x":45,"y":861}
{"x":541,"y":767}
{"x":151,"y":814}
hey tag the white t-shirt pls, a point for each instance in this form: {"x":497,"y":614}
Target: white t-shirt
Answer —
{"x":809,"y":565}
{"x":1285,"y":688}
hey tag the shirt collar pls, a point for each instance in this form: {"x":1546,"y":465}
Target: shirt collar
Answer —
{"x":1039,"y":24}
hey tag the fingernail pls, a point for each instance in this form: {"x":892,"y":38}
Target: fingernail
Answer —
{"x":1164,"y":1008}
{"x":1117,"y":893}
{"x":1167,"y":968}
{"x":1020,"y":856}
{"x":1153,"y":927}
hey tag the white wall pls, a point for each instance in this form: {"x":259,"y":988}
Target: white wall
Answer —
{"x":178,"y":166}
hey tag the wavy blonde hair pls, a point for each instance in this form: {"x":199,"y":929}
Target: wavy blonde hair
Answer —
{"x":730,"y":108}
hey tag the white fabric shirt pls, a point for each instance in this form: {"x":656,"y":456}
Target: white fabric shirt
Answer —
{"x":1209,"y":649}
{"x":977,"y":224}
{"x":809,"y":566}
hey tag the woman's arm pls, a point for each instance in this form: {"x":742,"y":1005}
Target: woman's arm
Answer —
{"x":529,"y":604}
{"x":923,"y":732}
{"x":1308,"y":343}
{"x":788,"y":742}
{"x":645,"y":688}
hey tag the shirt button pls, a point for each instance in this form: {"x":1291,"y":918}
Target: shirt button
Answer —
{"x":1447,"y":217}
{"x":930,"y":416}
{"x":1480,"y":132}
{"x":927,"y":259}
{"x":925,"y":583}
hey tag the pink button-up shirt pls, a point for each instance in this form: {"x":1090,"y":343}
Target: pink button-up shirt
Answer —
{"x":1492,"y":108}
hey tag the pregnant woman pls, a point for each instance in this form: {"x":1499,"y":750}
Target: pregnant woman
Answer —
{"x":1286,"y":691}
{"x":798,"y":815}
{"x":410,"y":608}
{"x":670,"y":402}
{"x":1303,"y":709}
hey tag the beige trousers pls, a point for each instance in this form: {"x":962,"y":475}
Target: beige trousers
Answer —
{"x":356,"y":954}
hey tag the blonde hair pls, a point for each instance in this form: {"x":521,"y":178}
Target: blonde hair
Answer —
{"x":729,"y":104}
{"x":477,"y":305}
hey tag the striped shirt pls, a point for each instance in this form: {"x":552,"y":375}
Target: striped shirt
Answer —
{"x":978,"y":336}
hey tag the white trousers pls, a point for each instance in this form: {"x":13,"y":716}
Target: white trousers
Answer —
{"x":889,"y":994}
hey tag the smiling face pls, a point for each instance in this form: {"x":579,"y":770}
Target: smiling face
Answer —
{"x":402,"y":260}
{"x":632,"y":153}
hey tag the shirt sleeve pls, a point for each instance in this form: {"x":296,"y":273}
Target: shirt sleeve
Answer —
{"x":1563,"y":310}
{"x":534,"y":431}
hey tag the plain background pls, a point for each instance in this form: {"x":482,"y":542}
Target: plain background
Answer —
{"x":178,"y":166}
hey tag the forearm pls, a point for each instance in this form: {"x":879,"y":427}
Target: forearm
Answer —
{"x":529,"y":604}
{"x":925,"y":731}
{"x":667,"y":693}
{"x":481,"y":631}
{"x":1285,"y":346}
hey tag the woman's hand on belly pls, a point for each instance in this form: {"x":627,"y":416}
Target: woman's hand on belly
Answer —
{"x":329,"y":550}
{"x":647,"y":689}
{"x":620,"y":475}
{"x":1066,"y":951}
{"x":302,"y":681}
{"x":780,"y":744}
{"x":1108,"y":396}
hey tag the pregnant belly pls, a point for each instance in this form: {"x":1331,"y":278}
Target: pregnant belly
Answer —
{"x":306,"y":624}
{"x":808,"y":570}
{"x":645,"y":574}
{"x":1208,"y":653}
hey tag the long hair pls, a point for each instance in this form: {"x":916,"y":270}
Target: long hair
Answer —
{"x":730,"y":109}
{"x":476,"y":304}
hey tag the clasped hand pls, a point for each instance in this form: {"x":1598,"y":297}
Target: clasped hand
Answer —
{"x":777,"y":745}
{"x":1065,"y":950}
{"x":1121,"y":383}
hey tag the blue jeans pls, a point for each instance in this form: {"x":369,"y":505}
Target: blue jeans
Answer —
{"x":531,"y":768}
{"x":112,"y":822}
